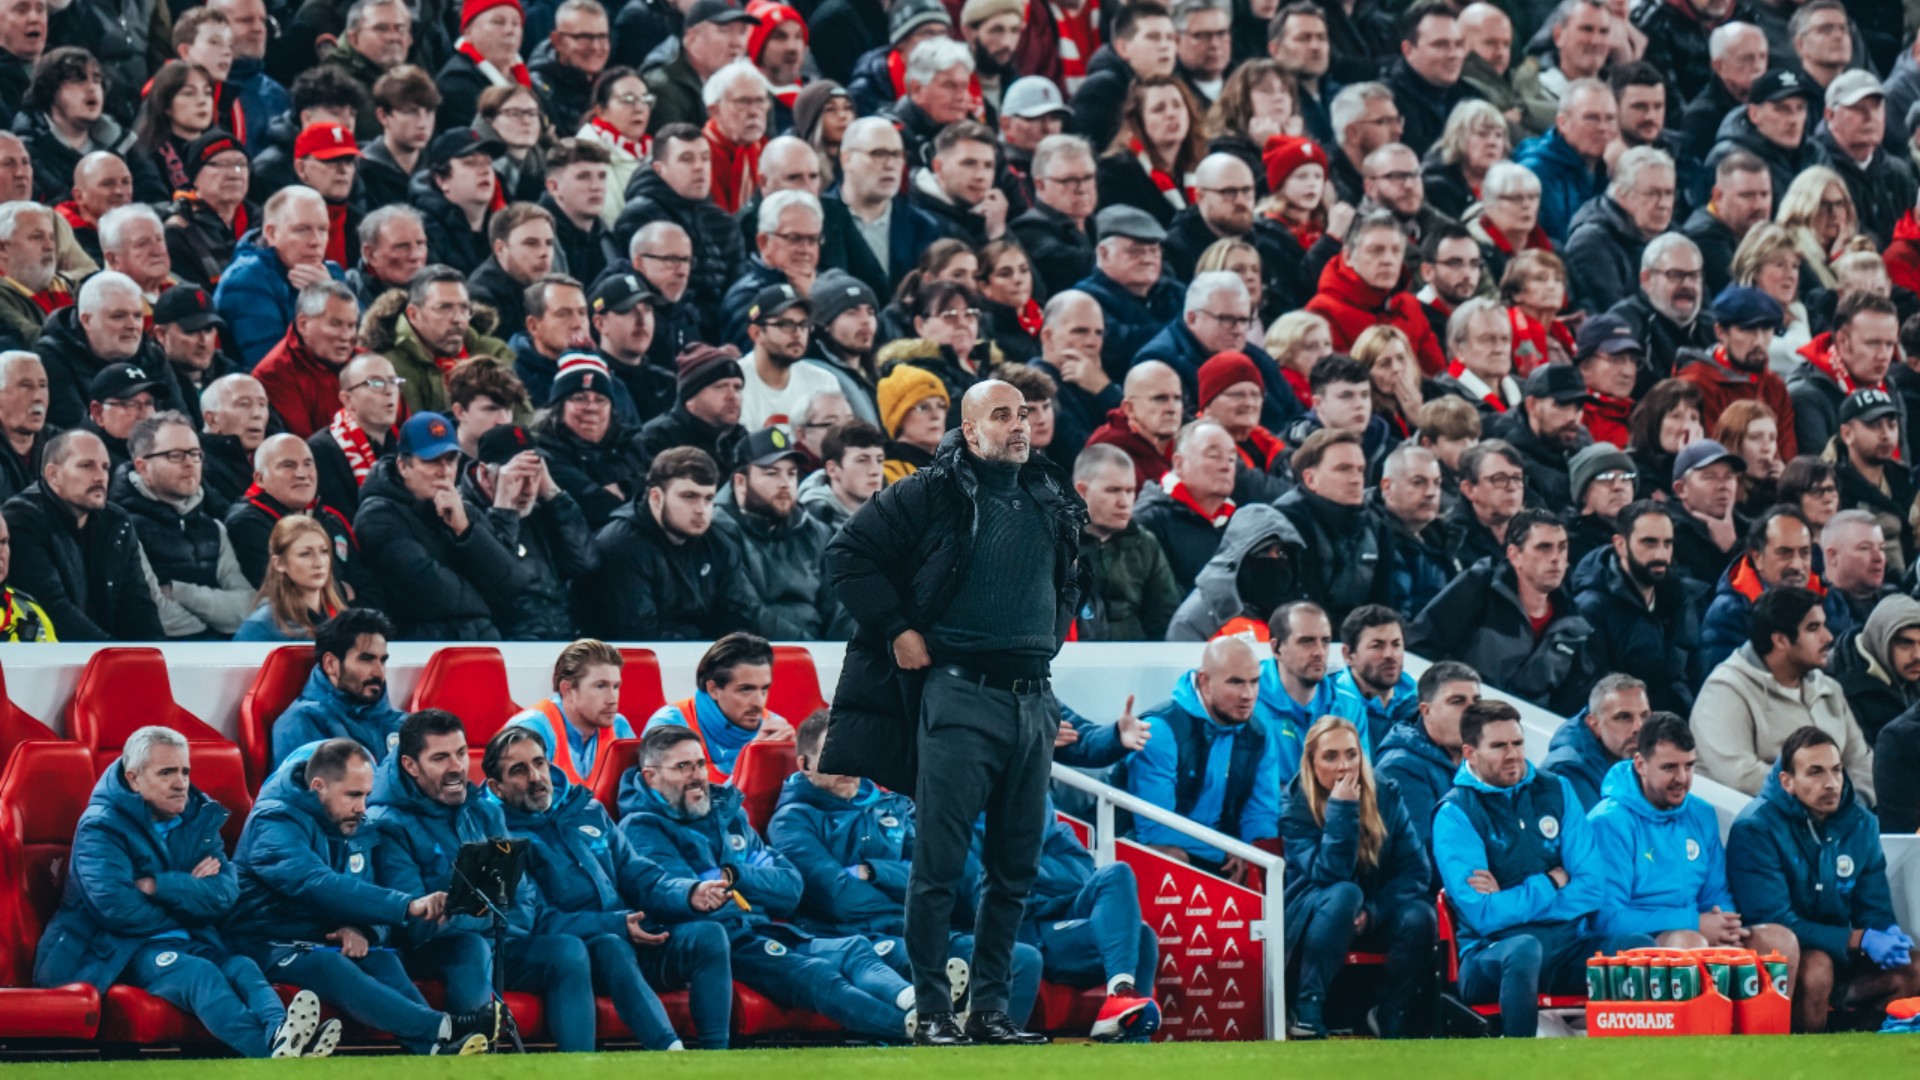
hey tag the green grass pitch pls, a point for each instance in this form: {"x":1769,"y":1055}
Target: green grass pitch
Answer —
{"x":1853,"y":1057}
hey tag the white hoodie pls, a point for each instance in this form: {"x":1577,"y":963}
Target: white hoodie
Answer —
{"x":1743,"y":715}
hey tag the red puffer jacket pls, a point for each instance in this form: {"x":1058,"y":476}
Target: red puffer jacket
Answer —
{"x":1351,"y":305}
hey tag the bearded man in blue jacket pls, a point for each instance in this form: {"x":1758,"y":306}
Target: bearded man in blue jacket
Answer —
{"x":1666,"y":871}
{"x":589,"y":883}
{"x":1806,"y":854}
{"x":346,"y":695}
{"x":693,"y":828}
{"x":311,"y":914}
{"x":1516,"y":859}
{"x":147,"y":884}
{"x":852,"y":842}
{"x":1589,"y":744}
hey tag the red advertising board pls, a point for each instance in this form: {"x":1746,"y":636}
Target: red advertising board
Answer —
{"x":1211,"y":983}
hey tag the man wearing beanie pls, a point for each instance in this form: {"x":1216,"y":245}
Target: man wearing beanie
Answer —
{"x":913,"y":412}
{"x":992,"y":28}
{"x":585,"y":443}
{"x":1231,"y":393}
{"x":487,"y":54}
{"x":879,"y":75}
{"x":207,"y":219}
{"x":1603,"y":482}
{"x":548,"y":535}
{"x":706,"y":412}
{"x":962,"y":581}
{"x":778,"y":47}
{"x":846,"y":320}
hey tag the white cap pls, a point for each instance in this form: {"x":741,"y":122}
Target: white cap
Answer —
{"x":1033,"y":97}
{"x":1852,"y":87}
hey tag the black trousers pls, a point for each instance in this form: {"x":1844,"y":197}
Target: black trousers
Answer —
{"x":981,"y":751}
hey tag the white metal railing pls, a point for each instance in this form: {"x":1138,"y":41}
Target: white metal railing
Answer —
{"x":1268,"y":929}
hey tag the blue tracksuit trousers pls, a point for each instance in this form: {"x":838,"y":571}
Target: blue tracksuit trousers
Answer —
{"x":842,"y":979}
{"x":1023,"y":991}
{"x":1516,"y":971}
{"x":1406,"y":934}
{"x":374,"y":991}
{"x":1101,"y":935}
{"x":463,"y":964}
{"x":225,"y":993}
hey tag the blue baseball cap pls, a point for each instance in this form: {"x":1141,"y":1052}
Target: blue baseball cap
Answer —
{"x":428,"y":436}
{"x":1747,"y":308}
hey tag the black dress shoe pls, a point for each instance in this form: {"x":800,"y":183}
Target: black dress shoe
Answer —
{"x":942,"y":1029}
{"x":996,"y":1028}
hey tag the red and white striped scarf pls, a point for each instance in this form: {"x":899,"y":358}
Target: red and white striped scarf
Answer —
{"x":1079,"y":38}
{"x":517,"y":74}
{"x":353,"y":440}
{"x":1161,"y":180}
{"x":1492,"y":395}
{"x":640,"y":148}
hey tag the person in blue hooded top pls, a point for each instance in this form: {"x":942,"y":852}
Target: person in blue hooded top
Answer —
{"x":147,"y":884}
{"x":311,"y":913}
{"x":729,"y":710}
{"x":1516,"y":859}
{"x":1295,"y":689}
{"x":1356,"y":873}
{"x":1806,"y":854}
{"x":1421,"y":755}
{"x":590,"y":884}
{"x":1374,"y":637}
{"x":1599,"y":737}
{"x":1666,"y":871}
{"x":691,"y":827}
{"x":346,"y":696}
{"x":1209,"y":758}
{"x":852,"y":842}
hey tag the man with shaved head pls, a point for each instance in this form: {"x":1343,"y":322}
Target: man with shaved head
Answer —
{"x":360,"y":434}
{"x":286,"y":481}
{"x":1223,"y":210}
{"x":962,"y":583}
{"x":1151,"y":408}
{"x":101,"y":182}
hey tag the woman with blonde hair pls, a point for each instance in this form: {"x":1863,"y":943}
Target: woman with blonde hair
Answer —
{"x":1357,"y":878}
{"x":1474,"y":139}
{"x":1770,"y":260}
{"x":1534,"y":288}
{"x":1818,"y":212}
{"x":1297,"y":341}
{"x":1388,"y":356}
{"x":1749,"y":429}
{"x":298,"y":593}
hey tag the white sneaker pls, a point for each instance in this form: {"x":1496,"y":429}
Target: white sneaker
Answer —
{"x":325,"y":1042}
{"x":958,"y":975}
{"x":904,"y":1000}
{"x":303,"y":1018}
{"x":913,"y":1023}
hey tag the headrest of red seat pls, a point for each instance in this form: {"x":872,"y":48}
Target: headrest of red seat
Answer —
{"x":122,"y":690}
{"x":45,"y":789}
{"x":795,"y":693}
{"x":275,"y":686}
{"x":621,"y":755}
{"x":471,"y":683}
{"x":641,"y":690}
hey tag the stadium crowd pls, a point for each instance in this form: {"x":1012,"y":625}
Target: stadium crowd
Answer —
{"x":1574,"y":347}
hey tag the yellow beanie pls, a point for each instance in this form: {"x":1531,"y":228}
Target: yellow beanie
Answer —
{"x":903,"y":388}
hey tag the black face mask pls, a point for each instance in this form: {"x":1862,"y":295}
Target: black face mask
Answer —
{"x":1267,"y":579}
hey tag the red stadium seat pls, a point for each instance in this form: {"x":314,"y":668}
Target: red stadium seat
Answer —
{"x":471,"y":683}
{"x":754,"y":1015}
{"x":608,"y":771}
{"x":758,"y":772}
{"x":275,"y":686}
{"x":641,"y":690}
{"x":1482,"y":1015}
{"x":796,"y":685}
{"x":43,"y":790}
{"x":1065,"y":1010}
{"x":16,"y":726}
{"x":613,"y":1029}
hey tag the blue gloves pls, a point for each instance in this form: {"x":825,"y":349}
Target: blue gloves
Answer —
{"x":716,"y":874}
{"x":1889,"y":948}
{"x":760,"y":857}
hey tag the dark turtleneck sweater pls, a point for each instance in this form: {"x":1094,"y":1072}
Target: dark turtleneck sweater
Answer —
{"x":1004,"y":608}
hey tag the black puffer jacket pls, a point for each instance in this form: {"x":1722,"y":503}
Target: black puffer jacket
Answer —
{"x":199,"y":245}
{"x":1348,"y":560}
{"x":681,"y":428}
{"x":88,"y":580}
{"x":273,"y":159}
{"x":785,"y":564}
{"x":54,"y":161}
{"x":1478,"y":621}
{"x":250,"y":524}
{"x":1603,"y":255}
{"x":566,"y":90}
{"x":649,"y":588}
{"x":440,"y":587}
{"x":72,"y":364}
{"x":585,"y":470}
{"x":1060,"y":252}
{"x":1738,"y":133}
{"x":718,"y":252}
{"x":554,"y":548}
{"x":179,"y":547}
{"x":450,"y":239}
{"x":895,"y":567}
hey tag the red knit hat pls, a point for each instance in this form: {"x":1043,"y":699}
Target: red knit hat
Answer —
{"x":771,"y":13}
{"x":1285,"y":153}
{"x":1226,"y":371}
{"x":473,"y":9}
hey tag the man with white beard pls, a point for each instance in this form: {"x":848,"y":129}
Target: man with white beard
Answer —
{"x":33,"y":287}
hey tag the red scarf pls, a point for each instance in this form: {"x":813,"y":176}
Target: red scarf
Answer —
{"x":1301,"y":388}
{"x":1492,"y":397}
{"x":71,"y":211}
{"x":734,"y":169}
{"x":53,"y":297}
{"x":446,"y":364}
{"x":1536,"y":240}
{"x":1079,"y":39}
{"x":313,"y":509}
{"x":518,"y":73}
{"x":640,"y":149}
{"x":1177,"y":491}
{"x":359,"y":449}
{"x":1030,"y":318}
{"x":233,"y":109}
{"x":1161,"y":180}
{"x":1266,"y":448}
{"x":337,"y":232}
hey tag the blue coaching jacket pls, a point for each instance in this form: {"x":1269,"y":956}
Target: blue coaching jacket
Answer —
{"x":1518,"y":834}
{"x":1287,"y":721}
{"x":1156,"y":774}
{"x":1662,"y":868}
{"x":323,"y":712}
{"x":1577,"y":756}
{"x":1420,"y":768}
{"x":827,"y":838}
{"x":420,"y":838}
{"x":1322,"y":855}
{"x":1381,"y":716}
{"x":301,"y":878}
{"x":1821,"y":881}
{"x":103,"y":919}
{"x":701,"y":847}
{"x":583,"y":865}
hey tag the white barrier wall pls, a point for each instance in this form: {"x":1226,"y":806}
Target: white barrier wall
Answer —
{"x":1093,"y":679}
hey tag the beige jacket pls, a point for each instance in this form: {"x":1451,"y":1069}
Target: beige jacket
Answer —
{"x":1743,"y":716}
